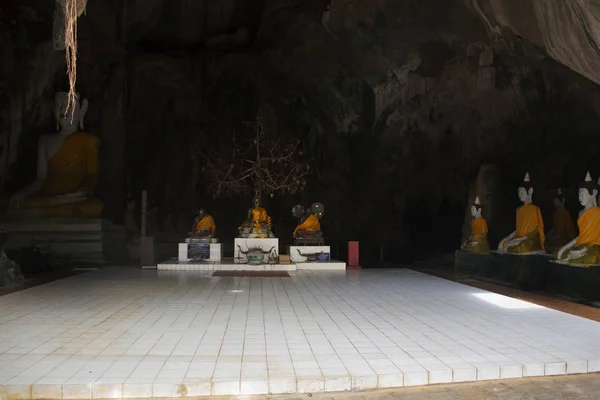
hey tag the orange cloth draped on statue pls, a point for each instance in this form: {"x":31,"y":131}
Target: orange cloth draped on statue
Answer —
{"x":529,"y":219}
{"x":563,"y":224}
{"x":205,"y":224}
{"x":311,"y":224}
{"x":259,"y":215}
{"x":74,"y":167}
{"x":479,"y":227}
{"x":589,"y":228}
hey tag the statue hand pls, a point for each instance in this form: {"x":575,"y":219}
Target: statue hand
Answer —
{"x":578,"y":253}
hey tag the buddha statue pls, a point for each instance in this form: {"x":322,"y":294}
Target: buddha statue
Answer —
{"x":308,"y":232}
{"x":204,"y":225}
{"x":585,"y":249}
{"x":258,"y":223}
{"x":528,"y":238}
{"x":477,"y":242}
{"x":563,"y":230}
{"x":67,"y":169}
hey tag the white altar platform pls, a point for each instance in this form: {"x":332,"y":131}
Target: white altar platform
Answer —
{"x":229,"y":264}
{"x":132,"y":333}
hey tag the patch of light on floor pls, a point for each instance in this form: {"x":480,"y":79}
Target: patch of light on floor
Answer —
{"x":236,"y":291}
{"x":505,"y":302}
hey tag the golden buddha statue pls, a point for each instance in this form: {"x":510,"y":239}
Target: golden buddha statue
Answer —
{"x":563,"y":230}
{"x":528,"y":238}
{"x":308,"y":232}
{"x":258,"y":224}
{"x":477,"y":242}
{"x":585,"y":249}
{"x":204,"y":224}
{"x":67,"y":170}
{"x":310,"y":224}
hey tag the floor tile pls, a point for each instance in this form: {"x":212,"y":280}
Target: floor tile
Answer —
{"x":137,"y":334}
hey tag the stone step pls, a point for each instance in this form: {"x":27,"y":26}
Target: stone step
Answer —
{"x":78,"y":240}
{"x":12,"y":224}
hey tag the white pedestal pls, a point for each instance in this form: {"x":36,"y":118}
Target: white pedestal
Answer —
{"x":216,"y":251}
{"x":247,"y":243}
{"x":297,"y":257}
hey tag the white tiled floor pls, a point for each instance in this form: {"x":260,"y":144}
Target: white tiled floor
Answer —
{"x":138,"y":333}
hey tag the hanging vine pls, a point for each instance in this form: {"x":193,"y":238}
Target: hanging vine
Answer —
{"x":65,"y":38}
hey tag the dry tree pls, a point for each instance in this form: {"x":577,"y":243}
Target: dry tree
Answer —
{"x":259,"y":163}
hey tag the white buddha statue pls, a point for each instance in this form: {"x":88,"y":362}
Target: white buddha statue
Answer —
{"x":528,"y":237}
{"x":477,"y":241}
{"x":585,"y":249}
{"x":67,"y":169}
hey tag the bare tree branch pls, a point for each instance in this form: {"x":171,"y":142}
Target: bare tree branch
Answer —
{"x":262,"y":164}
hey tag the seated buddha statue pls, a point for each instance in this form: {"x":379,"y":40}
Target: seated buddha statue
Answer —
{"x":258,"y":224}
{"x":563,"y":230}
{"x":308,"y":232}
{"x":67,"y":169}
{"x":585,"y":249}
{"x":477,"y":242}
{"x":528,"y":238}
{"x":204,"y":225}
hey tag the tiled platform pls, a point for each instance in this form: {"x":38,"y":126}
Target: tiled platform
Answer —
{"x":139,"y":333}
{"x":229,"y":265}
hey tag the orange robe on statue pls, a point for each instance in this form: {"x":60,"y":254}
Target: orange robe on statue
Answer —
{"x":259,"y":214}
{"x":529,"y":219}
{"x":477,"y":242}
{"x":479,"y":227}
{"x":589,"y":228}
{"x":563,"y":225}
{"x":589,"y":239}
{"x":311,"y":224}
{"x":72,"y":169}
{"x":205,"y":224}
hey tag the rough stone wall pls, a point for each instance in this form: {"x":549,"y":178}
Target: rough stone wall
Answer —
{"x":568,"y":30}
{"x":397,"y":103}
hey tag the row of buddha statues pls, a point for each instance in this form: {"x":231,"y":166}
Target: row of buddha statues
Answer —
{"x":258,"y":225}
{"x":67,"y":174}
{"x":529,"y":238}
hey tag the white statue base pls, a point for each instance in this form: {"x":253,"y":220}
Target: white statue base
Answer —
{"x":208,"y":252}
{"x":242,"y":245}
{"x":72,"y":240}
{"x":300,"y":254}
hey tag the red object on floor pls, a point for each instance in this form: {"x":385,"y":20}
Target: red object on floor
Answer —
{"x":353,"y":260}
{"x":252,"y":274}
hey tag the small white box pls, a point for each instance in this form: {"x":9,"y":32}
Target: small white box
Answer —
{"x":216,"y":251}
